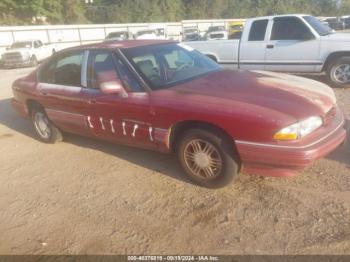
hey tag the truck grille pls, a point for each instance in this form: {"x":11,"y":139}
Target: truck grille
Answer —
{"x":217,"y":35}
{"x":12,"y":56}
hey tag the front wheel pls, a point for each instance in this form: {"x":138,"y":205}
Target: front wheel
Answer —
{"x":339,"y":72}
{"x":45,"y":130}
{"x":33,"y":61}
{"x":207,"y":158}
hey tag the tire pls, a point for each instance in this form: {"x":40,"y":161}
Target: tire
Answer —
{"x":223,"y":151}
{"x":33,"y":61}
{"x":39,"y":120}
{"x":334,"y":72}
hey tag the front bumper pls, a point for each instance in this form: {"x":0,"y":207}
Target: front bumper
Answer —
{"x":283,"y":160}
{"x":15,"y":62}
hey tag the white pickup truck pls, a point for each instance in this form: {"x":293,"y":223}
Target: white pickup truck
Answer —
{"x":26,"y":53}
{"x":286,"y":43}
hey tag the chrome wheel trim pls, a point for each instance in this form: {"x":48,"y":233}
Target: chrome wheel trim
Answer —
{"x":341,"y":73}
{"x":42,"y":125}
{"x":202,"y":159}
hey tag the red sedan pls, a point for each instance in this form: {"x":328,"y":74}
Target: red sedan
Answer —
{"x":165,"y":96}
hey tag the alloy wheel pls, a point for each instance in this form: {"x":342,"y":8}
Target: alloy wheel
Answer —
{"x":203,"y":159}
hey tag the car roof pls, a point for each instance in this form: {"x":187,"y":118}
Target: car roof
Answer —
{"x":112,"y":44}
{"x":276,"y":16}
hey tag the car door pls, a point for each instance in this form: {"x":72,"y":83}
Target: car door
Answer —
{"x":124,"y":117}
{"x":253,"y":46}
{"x":292,"y":47}
{"x":60,"y":82}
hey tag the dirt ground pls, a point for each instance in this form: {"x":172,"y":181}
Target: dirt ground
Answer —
{"x":88,"y":197}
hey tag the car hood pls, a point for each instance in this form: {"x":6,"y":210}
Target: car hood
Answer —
{"x":344,"y":37}
{"x":17,"y":50}
{"x":291,"y":95}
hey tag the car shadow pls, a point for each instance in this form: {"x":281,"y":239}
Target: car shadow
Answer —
{"x":163,"y":163}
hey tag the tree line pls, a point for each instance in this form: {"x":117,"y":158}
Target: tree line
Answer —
{"x":20,"y":12}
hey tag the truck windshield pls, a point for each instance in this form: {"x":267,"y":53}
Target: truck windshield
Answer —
{"x":320,"y":28}
{"x":26,"y":44}
{"x":165,"y":65}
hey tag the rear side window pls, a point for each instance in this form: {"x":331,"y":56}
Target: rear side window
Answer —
{"x":258,"y":30}
{"x":63,"y":70}
{"x":289,"y":28}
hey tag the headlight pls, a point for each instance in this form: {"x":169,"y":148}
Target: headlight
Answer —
{"x":299,"y":129}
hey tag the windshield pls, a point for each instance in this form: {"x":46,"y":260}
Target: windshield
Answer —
{"x":26,"y":44}
{"x":319,"y":27}
{"x":166,"y":65}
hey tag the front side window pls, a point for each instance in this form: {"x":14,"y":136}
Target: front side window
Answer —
{"x":104,"y":66}
{"x":63,"y":70}
{"x":168,"y":64}
{"x":258,"y":30}
{"x":289,"y":28}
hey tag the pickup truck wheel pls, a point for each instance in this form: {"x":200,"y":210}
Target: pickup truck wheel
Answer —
{"x":33,"y":61}
{"x":207,"y":158}
{"x":339,"y":72}
{"x":44,"y":128}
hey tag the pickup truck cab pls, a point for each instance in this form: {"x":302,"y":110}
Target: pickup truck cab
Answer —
{"x":26,"y":53}
{"x":286,"y":43}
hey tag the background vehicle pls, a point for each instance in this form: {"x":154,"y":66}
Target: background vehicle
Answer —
{"x":235,"y":29}
{"x":120,"y":35}
{"x":166,"y":96}
{"x":27,"y":53}
{"x":289,"y":43}
{"x":150,"y":34}
{"x":346,"y":20}
{"x":191,"y":34}
{"x":336,"y":23}
{"x":216,"y":33}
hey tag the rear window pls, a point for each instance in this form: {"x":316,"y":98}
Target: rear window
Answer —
{"x":258,"y":30}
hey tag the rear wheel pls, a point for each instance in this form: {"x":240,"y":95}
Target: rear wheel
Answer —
{"x":339,"y":72}
{"x":45,"y":129}
{"x":208,"y":159}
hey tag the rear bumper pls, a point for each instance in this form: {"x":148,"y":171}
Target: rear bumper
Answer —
{"x":285,"y":161}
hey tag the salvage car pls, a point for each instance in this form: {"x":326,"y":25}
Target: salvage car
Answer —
{"x":191,"y":33}
{"x":27,"y":53}
{"x":287,"y":43}
{"x":120,"y":35}
{"x":216,"y":33}
{"x":235,"y":29}
{"x":166,"y":96}
{"x":336,"y":23}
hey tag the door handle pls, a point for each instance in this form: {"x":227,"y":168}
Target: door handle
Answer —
{"x":270,"y":46}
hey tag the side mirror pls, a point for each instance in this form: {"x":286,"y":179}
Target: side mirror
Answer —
{"x":113,"y":87}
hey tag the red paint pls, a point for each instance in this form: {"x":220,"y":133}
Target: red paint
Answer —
{"x":248,"y":106}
